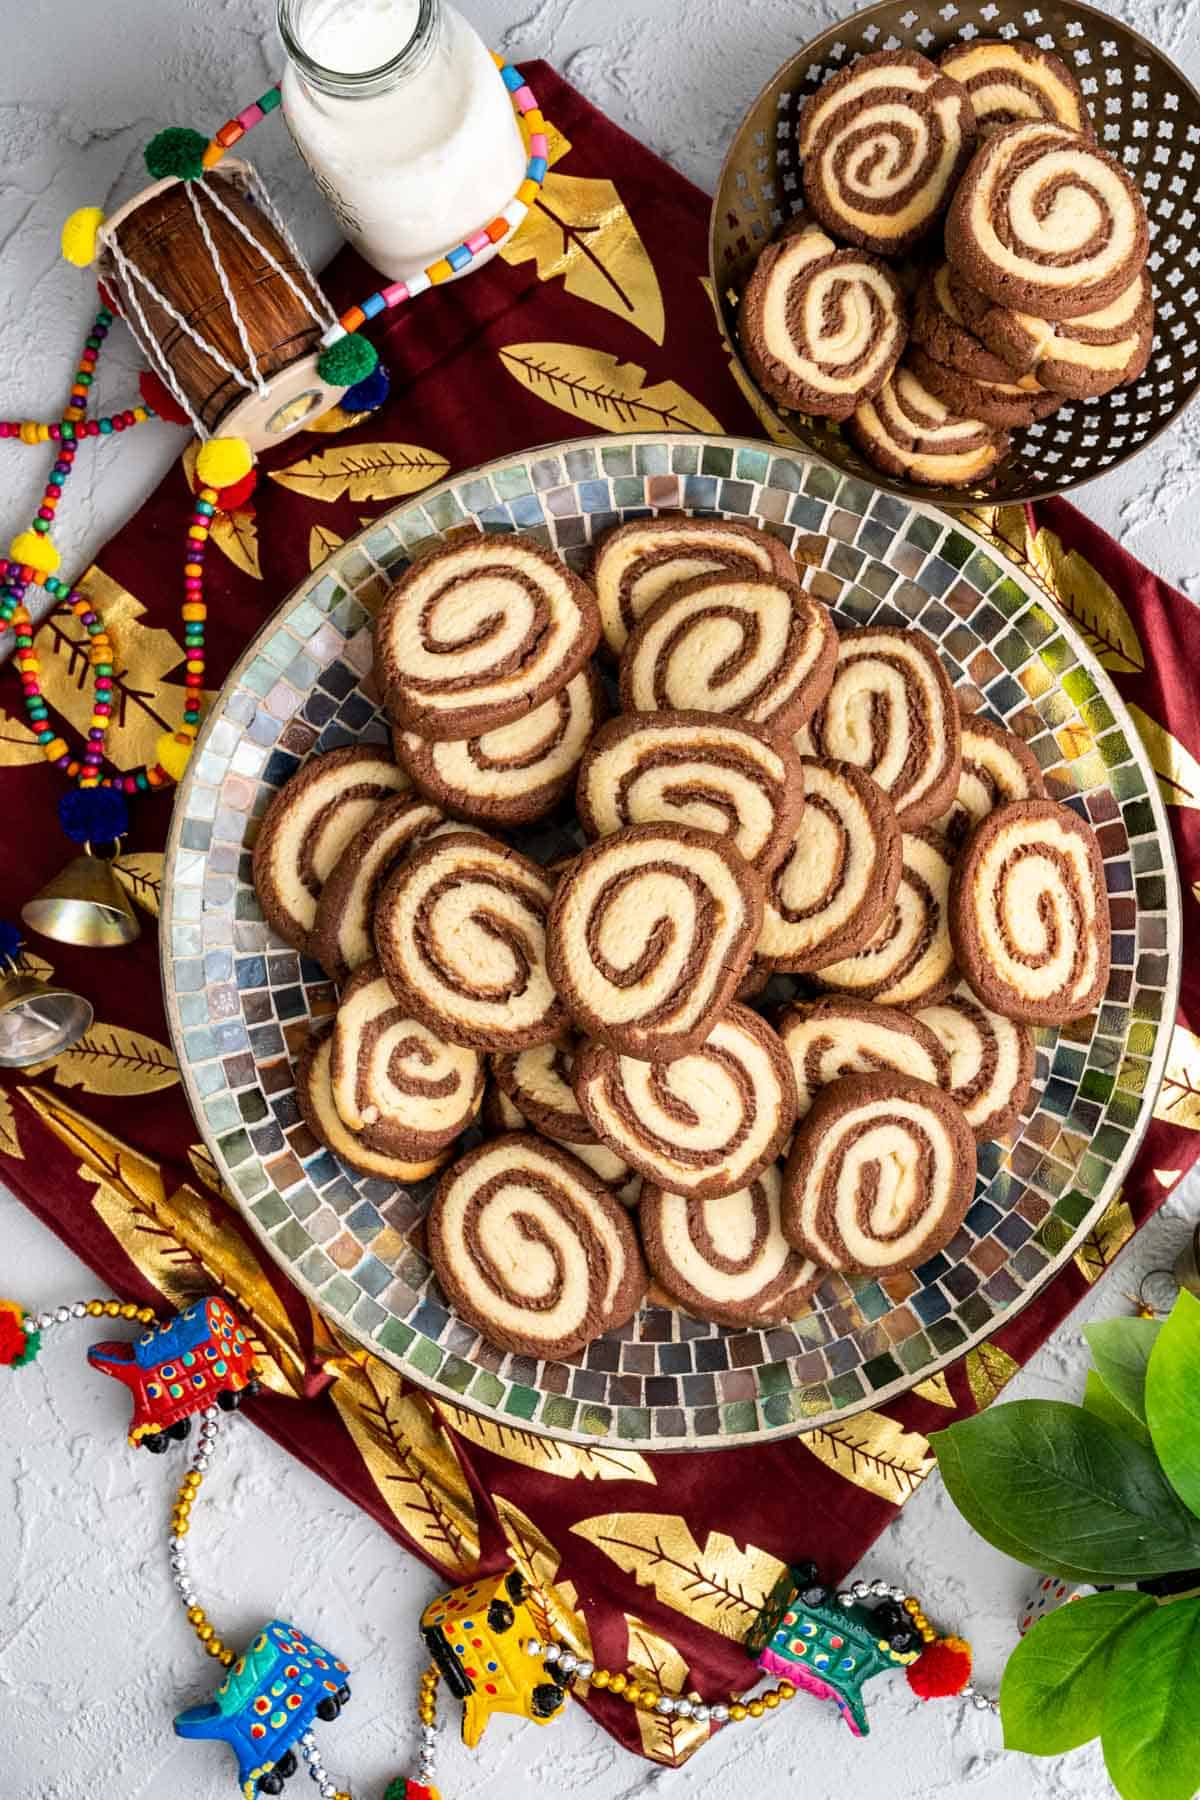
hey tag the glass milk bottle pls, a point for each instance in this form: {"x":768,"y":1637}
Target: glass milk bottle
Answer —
{"x":399,"y":111}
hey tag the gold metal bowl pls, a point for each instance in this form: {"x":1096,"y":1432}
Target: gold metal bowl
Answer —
{"x":1145,"y":112}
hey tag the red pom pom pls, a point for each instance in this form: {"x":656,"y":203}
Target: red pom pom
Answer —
{"x":15,"y":1347}
{"x":943,"y":1668}
{"x":230,"y":498}
{"x":156,"y":393}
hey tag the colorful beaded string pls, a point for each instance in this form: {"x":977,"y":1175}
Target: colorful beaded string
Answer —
{"x":73,"y":426}
{"x":17,"y":576}
{"x":501,"y":227}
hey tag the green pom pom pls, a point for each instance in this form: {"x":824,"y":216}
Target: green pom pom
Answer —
{"x":396,"y":1790}
{"x":33,"y":1343}
{"x":176,"y":151}
{"x":352,"y":358}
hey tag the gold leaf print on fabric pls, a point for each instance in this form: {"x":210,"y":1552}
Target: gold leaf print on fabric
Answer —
{"x":547,"y":1455}
{"x":111,"y":1059}
{"x":1178,"y":1100}
{"x":148,"y":671}
{"x":603,"y":391}
{"x":322,"y":541}
{"x":580,"y":229}
{"x":539,"y":1561}
{"x":409,"y":1457}
{"x":363,"y":472}
{"x":936,"y":1388}
{"x":719,"y":1584}
{"x":140,"y":873}
{"x":1177,"y":769}
{"x":654,"y":1659}
{"x":1106,"y":1239}
{"x":1082,"y":591}
{"x":989,"y":1370}
{"x":184,"y":1243}
{"x":875,"y":1452}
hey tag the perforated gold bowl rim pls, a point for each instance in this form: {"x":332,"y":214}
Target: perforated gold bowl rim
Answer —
{"x":823,"y":438}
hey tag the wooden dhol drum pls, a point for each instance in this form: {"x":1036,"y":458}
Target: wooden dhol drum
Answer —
{"x":217,"y":295}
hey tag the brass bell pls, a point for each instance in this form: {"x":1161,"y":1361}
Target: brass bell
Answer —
{"x":85,"y":905}
{"x":37,"y":1021}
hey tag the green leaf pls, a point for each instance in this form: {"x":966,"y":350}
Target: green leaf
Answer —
{"x":1151,"y":1745}
{"x":1065,"y":1492}
{"x":1173,"y":1399}
{"x":1102,"y":1403}
{"x":1052,"y":1693}
{"x":1121,"y":1350}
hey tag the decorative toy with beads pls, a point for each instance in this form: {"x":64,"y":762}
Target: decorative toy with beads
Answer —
{"x":479,"y":1639}
{"x":265,"y":1707}
{"x":492,"y":1641}
{"x":830,"y":1644}
{"x":200,"y":1357}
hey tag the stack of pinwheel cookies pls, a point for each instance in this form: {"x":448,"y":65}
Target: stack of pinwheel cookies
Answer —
{"x":770,"y":798}
{"x":969,"y":259}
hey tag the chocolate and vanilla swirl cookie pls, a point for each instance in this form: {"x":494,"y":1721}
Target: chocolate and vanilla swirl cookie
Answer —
{"x":1080,"y":358}
{"x":704,"y":1124}
{"x":880,"y":1175}
{"x":1011,"y":400}
{"x":342,"y":937}
{"x":532,"y":1249}
{"x":460,"y":929}
{"x":314,"y":1094}
{"x":1010,"y":81}
{"x":539,"y":1082}
{"x":693,"y":768}
{"x":755,"y":649}
{"x":910,"y":960}
{"x":883,"y":144}
{"x":941,"y":329}
{"x":991,"y":1061}
{"x":1029,"y":914}
{"x":835,"y":883}
{"x":835,"y":1037}
{"x":891,"y":711}
{"x":476,"y":634}
{"x":516,"y":773}
{"x":1047,"y":222}
{"x":401,"y":1088}
{"x":634,"y":565}
{"x":500,"y":1114}
{"x":306,"y":829}
{"x":649,"y":934}
{"x":821,"y":327}
{"x":996,"y":767}
{"x":727,"y":1259}
{"x":908,"y":431}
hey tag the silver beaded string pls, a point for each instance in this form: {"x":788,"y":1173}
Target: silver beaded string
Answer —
{"x":210,"y":1425}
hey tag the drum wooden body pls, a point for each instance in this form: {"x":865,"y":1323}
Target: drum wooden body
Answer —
{"x":157,"y":233}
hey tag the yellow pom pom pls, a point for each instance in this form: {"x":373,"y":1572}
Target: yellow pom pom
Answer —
{"x":222,"y":461}
{"x":172,"y":751}
{"x":79,"y":235}
{"x":35,"y":551}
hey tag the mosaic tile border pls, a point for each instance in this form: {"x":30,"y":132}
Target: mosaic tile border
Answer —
{"x":240,"y":1003}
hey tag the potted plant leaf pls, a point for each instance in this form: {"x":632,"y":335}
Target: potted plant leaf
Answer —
{"x":1108,"y":1494}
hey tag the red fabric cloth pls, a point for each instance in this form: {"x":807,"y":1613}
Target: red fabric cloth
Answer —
{"x":106,"y":1154}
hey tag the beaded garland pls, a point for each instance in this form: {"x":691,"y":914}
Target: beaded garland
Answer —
{"x":17,"y":576}
{"x":197,"y":1363}
{"x":502,"y":226}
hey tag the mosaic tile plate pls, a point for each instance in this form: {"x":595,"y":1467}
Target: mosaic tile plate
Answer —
{"x":241,"y":1003}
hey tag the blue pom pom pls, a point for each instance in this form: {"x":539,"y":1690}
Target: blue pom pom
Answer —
{"x":368,"y":394}
{"x":10,"y":942}
{"x":94,"y":815}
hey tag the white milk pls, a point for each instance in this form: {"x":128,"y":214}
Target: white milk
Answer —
{"x":400,"y":113}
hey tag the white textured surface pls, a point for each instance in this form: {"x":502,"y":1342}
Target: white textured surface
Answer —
{"x":94,"y":1656}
